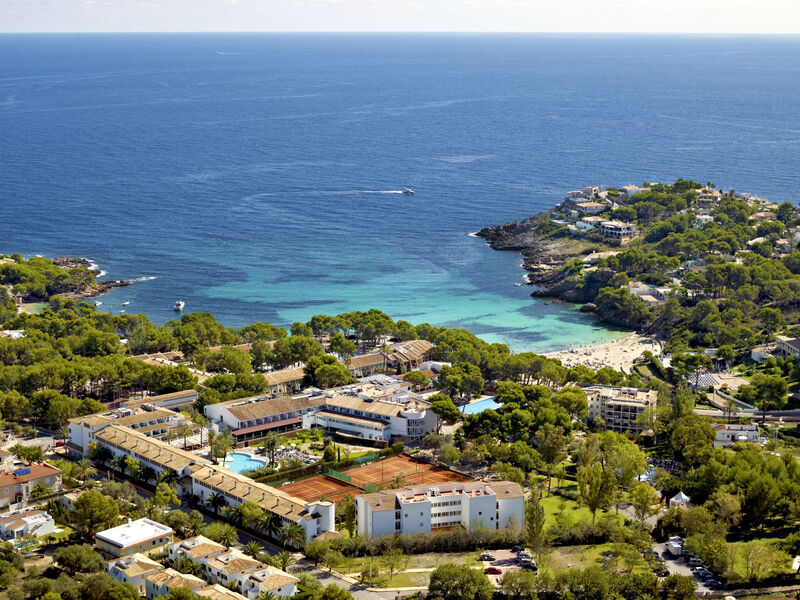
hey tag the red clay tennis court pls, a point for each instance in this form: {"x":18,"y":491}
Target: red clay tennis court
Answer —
{"x":411,"y":470}
{"x":320,"y":486}
{"x":435,"y":475}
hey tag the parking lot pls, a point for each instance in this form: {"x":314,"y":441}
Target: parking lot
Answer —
{"x":677,"y":566}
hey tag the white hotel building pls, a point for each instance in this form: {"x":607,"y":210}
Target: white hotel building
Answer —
{"x":421,"y":509}
{"x":368,"y":411}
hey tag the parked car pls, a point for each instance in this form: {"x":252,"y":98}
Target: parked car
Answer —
{"x":529,"y":566}
{"x":59,"y":443}
{"x":517,"y":548}
{"x":492,"y":571}
{"x":694,"y":562}
{"x":487,"y":556}
{"x":524,"y":554}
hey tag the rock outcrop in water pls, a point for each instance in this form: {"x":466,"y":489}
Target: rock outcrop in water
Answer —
{"x":545,"y":254}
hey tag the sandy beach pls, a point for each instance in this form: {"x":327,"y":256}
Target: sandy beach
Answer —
{"x":618,"y":354}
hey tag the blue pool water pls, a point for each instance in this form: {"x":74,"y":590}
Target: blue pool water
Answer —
{"x":240,"y":462}
{"x":482,"y":405}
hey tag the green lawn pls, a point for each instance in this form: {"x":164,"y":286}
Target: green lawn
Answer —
{"x":740,"y":563}
{"x":61,"y":536}
{"x":575,"y":557}
{"x":562,"y":558}
{"x":553,"y":505}
{"x":430,"y":560}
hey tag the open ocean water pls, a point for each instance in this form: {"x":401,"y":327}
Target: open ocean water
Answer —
{"x":257,"y":176}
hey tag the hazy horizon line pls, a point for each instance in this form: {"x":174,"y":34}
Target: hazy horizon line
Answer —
{"x":408,"y":32}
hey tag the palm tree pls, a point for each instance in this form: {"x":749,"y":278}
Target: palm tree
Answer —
{"x":384,"y":347}
{"x":200,"y":420}
{"x":284,"y":559}
{"x":216,"y":501}
{"x":211,"y":435}
{"x":267,"y":523}
{"x":233,"y":514}
{"x":253,"y":548}
{"x":169,"y":436}
{"x":271,"y":443}
{"x":100,"y":455}
{"x":170,"y":477}
{"x":227,"y":536}
{"x":195,"y":523}
{"x":224,"y":444}
{"x":147,"y":474}
{"x":184,"y":431}
{"x":293,"y":535}
{"x":84,"y":469}
{"x":120,"y":463}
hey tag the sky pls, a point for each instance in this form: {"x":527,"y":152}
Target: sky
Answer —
{"x":633,"y":16}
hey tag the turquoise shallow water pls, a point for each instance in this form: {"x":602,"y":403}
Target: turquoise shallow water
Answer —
{"x":258,"y":176}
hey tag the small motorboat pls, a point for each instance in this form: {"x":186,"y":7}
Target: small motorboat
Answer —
{"x":97,"y":303}
{"x":121,"y":311}
{"x":408,"y":192}
{"x":126,"y":303}
{"x":179,"y":305}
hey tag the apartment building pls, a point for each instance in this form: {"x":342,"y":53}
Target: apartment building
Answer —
{"x":253,"y":418}
{"x":146,"y":419}
{"x":268,"y":580}
{"x":163,"y":582}
{"x":198,"y":476}
{"x":139,"y":536}
{"x":728,"y":434}
{"x":133,"y":570}
{"x":620,"y":407}
{"x":422,"y":509}
{"x":369,"y":410}
{"x":787,"y":346}
{"x":172,"y":400}
{"x":218,"y":592}
{"x":152,"y":452}
{"x":16,"y":485}
{"x":618,"y":229}
{"x":373,"y":417}
{"x":315,"y":517}
{"x":195,"y":549}
{"x":18,"y":525}
{"x":230,"y":567}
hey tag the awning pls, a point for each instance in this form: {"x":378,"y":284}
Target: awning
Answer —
{"x":266,"y":426}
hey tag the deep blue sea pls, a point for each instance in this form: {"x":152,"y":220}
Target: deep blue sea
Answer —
{"x":257,"y":176}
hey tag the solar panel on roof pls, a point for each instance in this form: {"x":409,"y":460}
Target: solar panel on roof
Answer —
{"x":22,"y":471}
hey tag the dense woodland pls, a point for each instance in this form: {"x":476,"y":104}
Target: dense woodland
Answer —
{"x":73,"y":357}
{"x":731,"y":292}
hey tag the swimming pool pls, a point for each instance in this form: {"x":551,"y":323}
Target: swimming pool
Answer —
{"x":241,"y":462}
{"x":481,"y":406}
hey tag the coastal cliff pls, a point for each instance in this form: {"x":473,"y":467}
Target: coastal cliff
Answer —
{"x":547,"y":251}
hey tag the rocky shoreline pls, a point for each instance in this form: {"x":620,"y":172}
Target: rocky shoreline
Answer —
{"x":543,"y":256}
{"x":96,"y":288}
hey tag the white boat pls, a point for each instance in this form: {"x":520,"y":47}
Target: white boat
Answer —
{"x":126,"y":303}
{"x":408,"y":192}
{"x":97,"y":303}
{"x":122,"y":311}
{"x":179,"y":305}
